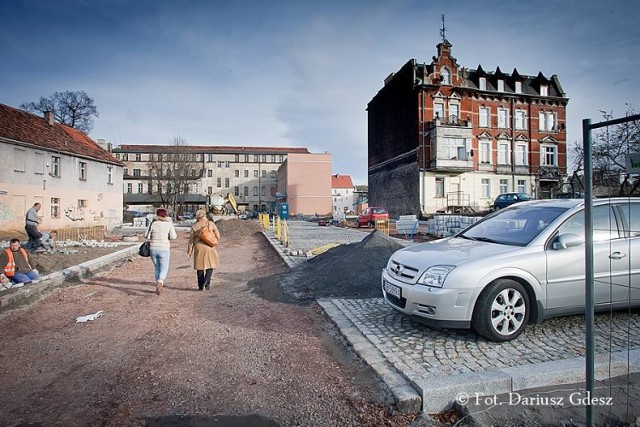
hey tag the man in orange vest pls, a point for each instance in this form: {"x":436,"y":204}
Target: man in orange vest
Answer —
{"x":15,"y":262}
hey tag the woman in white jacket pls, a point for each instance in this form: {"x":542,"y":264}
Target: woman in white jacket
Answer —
{"x":160,"y":232}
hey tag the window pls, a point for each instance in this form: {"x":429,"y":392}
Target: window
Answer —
{"x":129,"y":188}
{"x":236,"y":191}
{"x":504,"y":186}
{"x":605,"y":226}
{"x":226,"y":164}
{"x":38,"y":166}
{"x":544,"y":90}
{"x":273,"y":174}
{"x":219,"y":182}
{"x":255,"y":173}
{"x":246,"y":158}
{"x":264,"y":191}
{"x":454,"y":113}
{"x":485,"y":152}
{"x":521,"y":154}
{"x":264,"y":158}
{"x":521,"y":119}
{"x":237,"y":158}
{"x":482,"y":83}
{"x":547,"y":121}
{"x":236,"y":173}
{"x":55,"y":166}
{"x":484,"y":117}
{"x":136,"y":172}
{"x":55,"y":207}
{"x":439,"y":186}
{"x":125,"y":157}
{"x":453,"y":148}
{"x":209,"y":190}
{"x":226,"y":183}
{"x":246,"y":191}
{"x":503,"y":118}
{"x":548,"y":155}
{"x":109,"y":174}
{"x":503,"y":153}
{"x":273,"y":158}
{"x":140,"y":188}
{"x":210,"y":158}
{"x":246,"y":173}
{"x":522,"y":186}
{"x":149,"y":187}
{"x":82,"y":170}
{"x":500,"y":85}
{"x":281,"y":158}
{"x":438,"y":110}
{"x":209,"y":173}
{"x":264,"y":173}
{"x":255,"y":191}
{"x":138,"y":157}
{"x":518,"y":88}
{"x":486,"y":188}
{"x":446,"y":77}
{"x":83,"y":203}
{"x":255,"y":158}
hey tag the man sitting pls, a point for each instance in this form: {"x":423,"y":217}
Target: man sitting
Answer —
{"x":49,"y":240}
{"x":16,"y":264}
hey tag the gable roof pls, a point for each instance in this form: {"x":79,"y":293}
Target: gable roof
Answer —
{"x":22,"y":128}
{"x":341,"y":181}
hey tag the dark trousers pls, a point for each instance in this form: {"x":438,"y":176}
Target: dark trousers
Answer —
{"x":204,"y":277}
{"x":34,"y":236}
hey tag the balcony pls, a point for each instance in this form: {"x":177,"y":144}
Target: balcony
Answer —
{"x":450,"y":145}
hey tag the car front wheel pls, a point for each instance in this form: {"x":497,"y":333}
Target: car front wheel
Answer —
{"x":502,"y":311}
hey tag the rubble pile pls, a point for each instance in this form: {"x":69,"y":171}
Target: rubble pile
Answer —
{"x":230,"y":228}
{"x":346,"y":271}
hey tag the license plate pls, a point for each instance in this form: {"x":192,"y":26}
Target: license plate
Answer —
{"x":392,"y":289}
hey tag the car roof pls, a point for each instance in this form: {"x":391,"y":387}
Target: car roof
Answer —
{"x":572,"y":203}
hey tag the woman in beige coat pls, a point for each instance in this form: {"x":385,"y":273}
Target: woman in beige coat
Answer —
{"x":205,"y":257}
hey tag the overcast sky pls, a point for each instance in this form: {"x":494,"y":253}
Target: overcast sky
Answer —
{"x":298,"y":73}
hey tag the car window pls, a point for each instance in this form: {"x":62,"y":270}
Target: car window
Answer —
{"x":605,"y":226}
{"x":516,"y":226}
{"x":632,"y":212}
{"x":379,"y":211}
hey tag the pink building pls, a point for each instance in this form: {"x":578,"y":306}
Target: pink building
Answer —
{"x":304,"y":182}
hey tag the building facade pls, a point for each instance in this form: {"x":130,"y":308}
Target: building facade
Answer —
{"x":444,"y":138}
{"x":77,"y":182}
{"x":248,"y":173}
{"x":304,"y":183}
{"x":342,"y":193}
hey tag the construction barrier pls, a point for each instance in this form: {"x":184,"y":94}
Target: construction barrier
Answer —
{"x":383,"y":226}
{"x":96,"y":232}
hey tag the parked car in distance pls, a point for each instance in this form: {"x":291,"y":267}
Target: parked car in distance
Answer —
{"x":370,"y":215}
{"x":578,"y":195}
{"x":243,"y":215}
{"x":507,"y":199}
{"x":186,"y":216}
{"x":520,"y":265}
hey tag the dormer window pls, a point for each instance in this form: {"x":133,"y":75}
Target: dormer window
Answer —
{"x":518,"y":88}
{"x":500,"y":85}
{"x":544,"y":90}
{"x":445,"y":76}
{"x":482,"y":83}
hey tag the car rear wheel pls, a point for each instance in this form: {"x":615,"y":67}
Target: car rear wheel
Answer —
{"x":502,"y":311}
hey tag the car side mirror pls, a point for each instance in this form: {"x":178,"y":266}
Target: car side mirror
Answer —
{"x":567,"y":240}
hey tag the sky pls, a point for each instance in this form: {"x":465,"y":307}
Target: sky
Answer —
{"x":297,"y":73}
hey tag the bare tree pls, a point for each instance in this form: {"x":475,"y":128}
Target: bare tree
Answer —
{"x":74,"y":109}
{"x":609,"y":147}
{"x":174,"y":173}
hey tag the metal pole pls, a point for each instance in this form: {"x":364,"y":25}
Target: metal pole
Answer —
{"x":588,"y":259}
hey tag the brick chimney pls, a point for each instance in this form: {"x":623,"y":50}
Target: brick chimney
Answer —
{"x":49,"y":117}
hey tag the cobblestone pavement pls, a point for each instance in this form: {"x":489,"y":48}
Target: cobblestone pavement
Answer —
{"x":422,"y":355}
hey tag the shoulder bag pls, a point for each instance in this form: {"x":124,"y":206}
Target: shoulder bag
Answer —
{"x":145,"y":248}
{"x":208,"y":236}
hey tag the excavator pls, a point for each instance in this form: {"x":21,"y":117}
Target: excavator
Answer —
{"x":217,"y":204}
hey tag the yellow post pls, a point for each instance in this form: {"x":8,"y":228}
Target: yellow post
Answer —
{"x":278,"y":229}
{"x":285,"y":241}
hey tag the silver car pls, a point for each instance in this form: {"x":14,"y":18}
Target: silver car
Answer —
{"x":521,"y":264}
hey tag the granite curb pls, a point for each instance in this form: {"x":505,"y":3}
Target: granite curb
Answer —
{"x":57,"y":278}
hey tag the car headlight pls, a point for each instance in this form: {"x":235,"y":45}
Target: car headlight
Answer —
{"x":435,"y":276}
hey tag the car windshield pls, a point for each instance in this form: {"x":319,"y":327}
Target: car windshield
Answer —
{"x":516,"y":226}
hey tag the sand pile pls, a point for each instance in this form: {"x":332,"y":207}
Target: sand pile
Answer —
{"x":235,"y":227}
{"x":346,"y":271}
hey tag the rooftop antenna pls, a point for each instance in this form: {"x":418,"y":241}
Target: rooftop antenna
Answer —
{"x":443,"y":31}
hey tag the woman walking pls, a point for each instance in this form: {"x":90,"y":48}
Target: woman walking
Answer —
{"x":205,"y":257}
{"x":160,"y":232}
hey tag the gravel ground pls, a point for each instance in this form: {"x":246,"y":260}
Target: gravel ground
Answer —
{"x":219,"y":357}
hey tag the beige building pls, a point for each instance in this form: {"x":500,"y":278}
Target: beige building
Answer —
{"x":248,"y":173}
{"x":78,"y":182}
{"x":304,"y":182}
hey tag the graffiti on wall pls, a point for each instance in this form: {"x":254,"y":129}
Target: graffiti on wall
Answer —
{"x":74,"y":213}
{"x":6,"y":213}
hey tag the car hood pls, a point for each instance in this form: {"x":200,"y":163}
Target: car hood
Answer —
{"x":448,"y":251}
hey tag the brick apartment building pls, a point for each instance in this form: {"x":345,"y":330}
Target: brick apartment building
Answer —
{"x":444,"y":138}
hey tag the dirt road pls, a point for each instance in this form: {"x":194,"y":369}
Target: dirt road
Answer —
{"x":218,"y":357}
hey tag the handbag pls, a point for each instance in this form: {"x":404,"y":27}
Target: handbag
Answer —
{"x":145,"y":249}
{"x":207,"y":236}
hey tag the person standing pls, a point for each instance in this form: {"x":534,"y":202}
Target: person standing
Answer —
{"x":205,"y":257}
{"x":159,"y":233}
{"x":32,"y":221}
{"x":16,"y":265}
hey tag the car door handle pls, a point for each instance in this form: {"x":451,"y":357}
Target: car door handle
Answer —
{"x":617,"y":255}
